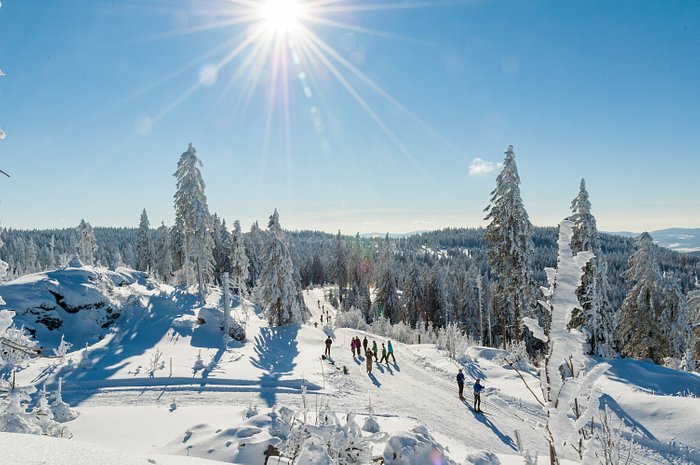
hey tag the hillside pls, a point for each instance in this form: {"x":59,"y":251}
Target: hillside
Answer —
{"x":129,"y":398}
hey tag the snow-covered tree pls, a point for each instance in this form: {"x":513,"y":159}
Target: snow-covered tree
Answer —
{"x":163,"y":254}
{"x":567,"y":376}
{"x":596,"y":316}
{"x":387,"y":302}
{"x":509,"y":241}
{"x":255,"y":245}
{"x":640,"y":328}
{"x":278,"y":289}
{"x":238,"y":261}
{"x":693,"y":299}
{"x":222,"y":246}
{"x":87,"y":243}
{"x":676,"y":321}
{"x":144,"y":244}
{"x":193,"y":217}
{"x":339,"y":265}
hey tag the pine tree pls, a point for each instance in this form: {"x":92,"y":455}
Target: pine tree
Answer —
{"x":255,"y":244}
{"x":640,"y":327}
{"x":87,"y":243}
{"x":693,"y":299}
{"x":387,"y":301}
{"x":192,"y":216}
{"x":239,"y":261}
{"x":222,"y":247}
{"x":144,"y":244}
{"x":596,"y":316}
{"x":339,"y":266}
{"x":278,"y":290}
{"x":413,"y":295}
{"x":676,"y":322}
{"x":509,"y":241}
{"x":163,"y":253}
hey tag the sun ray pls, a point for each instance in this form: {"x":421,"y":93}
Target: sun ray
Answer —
{"x":363,"y":30}
{"x":379,"y":90}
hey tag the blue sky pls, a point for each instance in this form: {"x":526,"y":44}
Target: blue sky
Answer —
{"x":609,"y":91}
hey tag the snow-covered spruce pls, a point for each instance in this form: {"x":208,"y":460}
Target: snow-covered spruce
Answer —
{"x":509,"y":241}
{"x":193,"y":223}
{"x":278,"y":287}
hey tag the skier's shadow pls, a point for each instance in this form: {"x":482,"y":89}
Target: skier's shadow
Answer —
{"x":374,"y":379}
{"x":483,"y":419}
{"x":358,"y":361}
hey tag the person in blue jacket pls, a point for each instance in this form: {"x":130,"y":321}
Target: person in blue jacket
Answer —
{"x":478,"y":387}
{"x":460,"y":384}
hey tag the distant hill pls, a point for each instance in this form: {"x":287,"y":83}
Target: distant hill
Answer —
{"x":685,"y":240}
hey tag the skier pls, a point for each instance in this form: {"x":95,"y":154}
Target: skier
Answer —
{"x":329,"y":341}
{"x":353,"y":346}
{"x":478,"y":387}
{"x":460,"y":384}
{"x":374,"y":350}
{"x":321,"y":317}
{"x":383,"y":359}
{"x":390,"y":350}
{"x":368,"y":355}
{"x":364,"y":344}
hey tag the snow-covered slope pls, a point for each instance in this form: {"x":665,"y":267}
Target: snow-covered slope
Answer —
{"x":130,"y":398}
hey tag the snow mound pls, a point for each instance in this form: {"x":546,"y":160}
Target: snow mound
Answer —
{"x":483,"y":457}
{"x":416,"y":447}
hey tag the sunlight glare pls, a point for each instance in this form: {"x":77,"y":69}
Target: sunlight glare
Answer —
{"x":282,"y":16}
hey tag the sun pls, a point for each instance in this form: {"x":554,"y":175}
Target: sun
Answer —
{"x":281,"y":17}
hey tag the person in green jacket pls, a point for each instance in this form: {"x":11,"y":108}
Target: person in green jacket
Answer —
{"x":383,"y":359}
{"x":374,"y":350}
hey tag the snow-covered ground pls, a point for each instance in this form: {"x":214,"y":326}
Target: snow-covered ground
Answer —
{"x":161,"y":384}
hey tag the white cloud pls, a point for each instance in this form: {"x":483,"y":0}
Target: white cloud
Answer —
{"x":479,"y":167}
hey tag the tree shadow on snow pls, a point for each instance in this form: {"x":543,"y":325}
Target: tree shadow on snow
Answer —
{"x":133,"y":337}
{"x":276,"y":349}
{"x":629,"y":421}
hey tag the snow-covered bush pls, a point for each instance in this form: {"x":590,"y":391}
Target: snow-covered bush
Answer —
{"x":61,"y":411}
{"x":281,"y":422}
{"x":454,"y":341}
{"x":14,"y":417}
{"x":198,"y":362}
{"x":62,"y":350}
{"x":517,"y":355}
{"x":85,"y":362}
{"x":403,"y":333}
{"x":314,"y":452}
{"x":251,"y":411}
{"x":416,"y":447}
{"x":155,"y":363}
{"x":370,"y":425}
{"x":329,"y":442}
{"x":352,"y":319}
{"x":17,"y":347}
